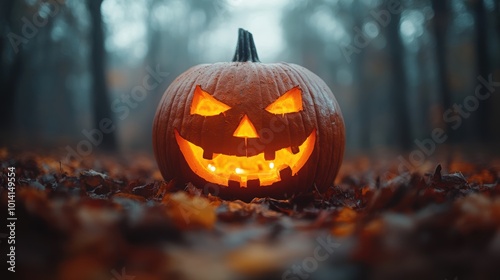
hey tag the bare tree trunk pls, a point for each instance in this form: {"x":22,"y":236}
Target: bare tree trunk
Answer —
{"x":363,"y":93}
{"x":495,"y":120}
{"x":399,"y":84}
{"x":483,"y":68}
{"x":101,"y":102}
{"x":497,"y":17}
{"x":440,"y":29}
{"x":9,"y":73}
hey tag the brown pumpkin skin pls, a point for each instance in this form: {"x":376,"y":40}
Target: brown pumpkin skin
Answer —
{"x":248,"y":88}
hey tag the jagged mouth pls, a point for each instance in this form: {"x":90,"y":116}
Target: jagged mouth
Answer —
{"x":243,"y":171}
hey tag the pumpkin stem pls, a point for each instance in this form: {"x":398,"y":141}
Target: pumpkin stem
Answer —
{"x":245,"y":50}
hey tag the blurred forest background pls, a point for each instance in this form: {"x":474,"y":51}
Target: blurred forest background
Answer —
{"x":395,"y":66}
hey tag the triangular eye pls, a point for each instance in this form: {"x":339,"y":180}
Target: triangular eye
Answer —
{"x":290,"y":102}
{"x":206,"y":105}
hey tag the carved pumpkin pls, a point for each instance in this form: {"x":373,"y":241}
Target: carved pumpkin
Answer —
{"x":252,"y":129}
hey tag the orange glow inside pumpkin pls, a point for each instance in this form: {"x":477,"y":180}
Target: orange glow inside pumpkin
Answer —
{"x":290,"y":102}
{"x":206,"y":105}
{"x":245,"y":129}
{"x":222,"y":168}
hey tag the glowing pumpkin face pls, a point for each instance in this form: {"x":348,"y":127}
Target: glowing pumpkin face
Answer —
{"x":253,"y":129}
{"x":246,"y":164}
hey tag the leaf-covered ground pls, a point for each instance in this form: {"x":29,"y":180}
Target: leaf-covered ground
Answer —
{"x":114,"y":218}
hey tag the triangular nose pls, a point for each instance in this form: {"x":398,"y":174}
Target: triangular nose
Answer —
{"x":245,"y":129}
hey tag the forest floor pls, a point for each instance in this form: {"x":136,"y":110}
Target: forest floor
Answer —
{"x":105,"y":218}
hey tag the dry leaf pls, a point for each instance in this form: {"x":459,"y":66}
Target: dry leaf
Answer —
{"x":190,"y":211}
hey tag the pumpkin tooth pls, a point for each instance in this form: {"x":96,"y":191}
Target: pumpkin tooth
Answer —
{"x":270,"y":155}
{"x":254,"y":183}
{"x":233,"y":184}
{"x":286,"y":173}
{"x":208,"y":154}
{"x":295,"y":150}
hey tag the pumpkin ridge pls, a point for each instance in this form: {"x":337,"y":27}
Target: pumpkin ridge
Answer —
{"x":177,"y":100}
{"x":297,"y":76}
{"x":191,"y":85}
{"x":259,"y":86}
{"x":337,"y":132}
{"x":280,"y":89}
{"x":306,"y":170}
{"x":309,"y":76}
{"x":298,"y":84}
{"x":221,"y":74}
{"x":336,"y":155}
{"x":210,"y":77}
{"x":162,"y":141}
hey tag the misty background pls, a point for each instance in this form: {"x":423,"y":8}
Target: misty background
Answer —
{"x":395,"y":67}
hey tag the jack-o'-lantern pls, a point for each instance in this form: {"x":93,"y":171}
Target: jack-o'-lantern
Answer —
{"x":251,"y":129}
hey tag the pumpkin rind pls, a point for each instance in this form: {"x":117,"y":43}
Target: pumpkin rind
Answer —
{"x":248,"y":88}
